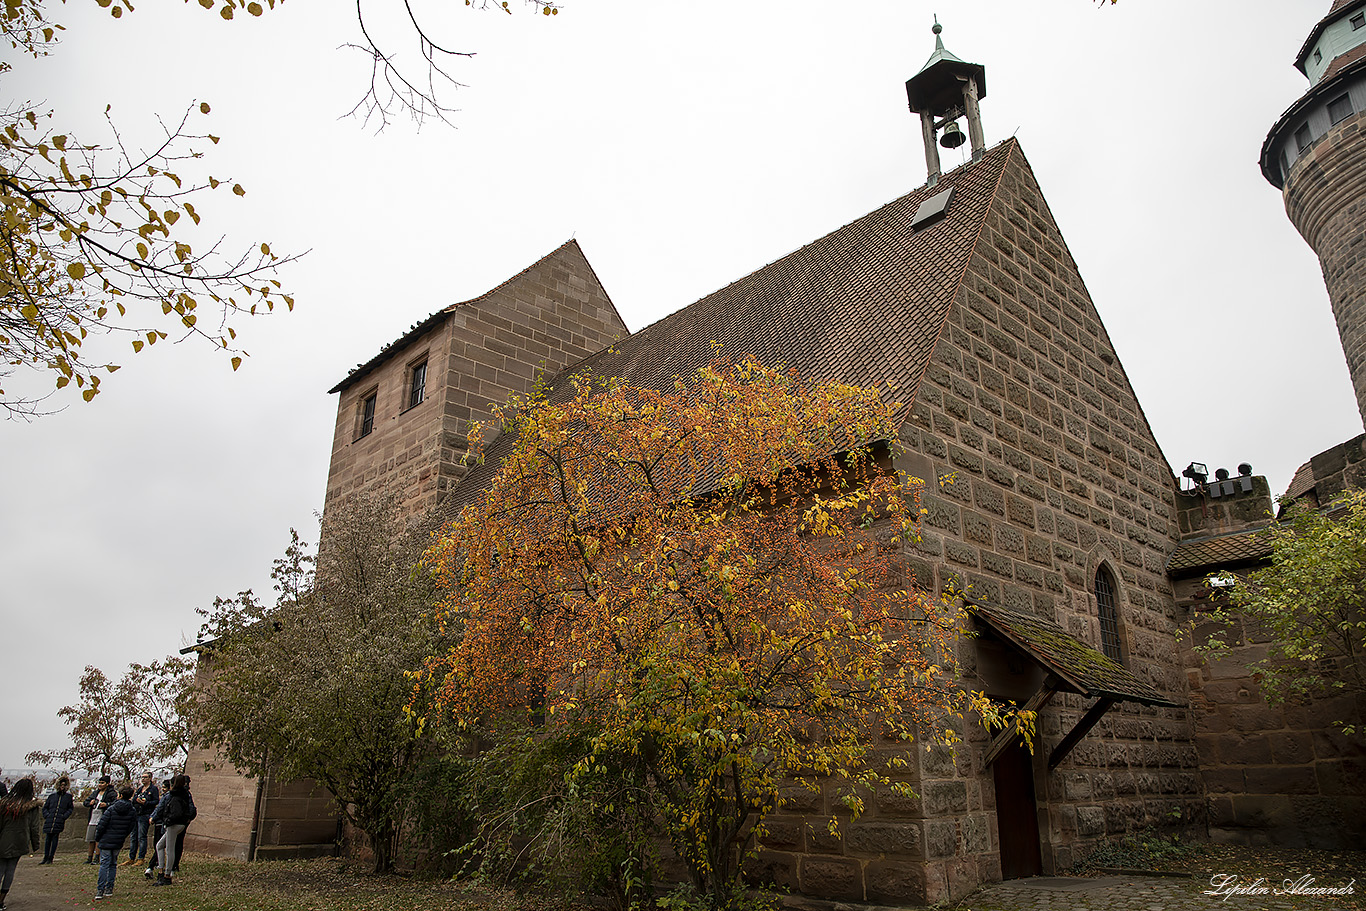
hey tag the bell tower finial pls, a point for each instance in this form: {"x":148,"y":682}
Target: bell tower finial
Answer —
{"x":945,"y":89}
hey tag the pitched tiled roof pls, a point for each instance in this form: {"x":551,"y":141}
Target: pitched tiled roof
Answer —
{"x":1342,"y":61}
{"x":863,"y":305}
{"x":1301,"y":483}
{"x":1082,"y":669}
{"x":1340,"y":5}
{"x":1207,"y":554}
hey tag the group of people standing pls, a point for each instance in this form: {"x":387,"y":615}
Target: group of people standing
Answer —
{"x":115,"y":815}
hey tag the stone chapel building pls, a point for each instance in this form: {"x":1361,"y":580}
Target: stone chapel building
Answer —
{"x":1047,"y":494}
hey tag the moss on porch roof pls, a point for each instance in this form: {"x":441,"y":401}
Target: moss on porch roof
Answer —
{"x":1082,"y":669}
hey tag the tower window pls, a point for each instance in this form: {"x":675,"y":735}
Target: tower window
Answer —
{"x":367,"y":414}
{"x":1108,"y":613}
{"x":417,"y":383}
{"x":1318,"y":56}
{"x":1302,"y":138}
{"x":1358,"y":21}
{"x":1339,"y":109}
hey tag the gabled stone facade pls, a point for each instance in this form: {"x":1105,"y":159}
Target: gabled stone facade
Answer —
{"x":550,"y":315}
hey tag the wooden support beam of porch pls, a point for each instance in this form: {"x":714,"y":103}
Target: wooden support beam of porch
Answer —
{"x":1008,"y":734}
{"x":1075,"y":735}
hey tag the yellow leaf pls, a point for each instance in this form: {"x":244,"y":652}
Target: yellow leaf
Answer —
{"x":226,"y":12}
{"x":90,"y":393}
{"x":265,"y":249}
{"x":76,"y":270}
{"x":204,"y":105}
{"x":255,"y":9}
{"x":237,"y":188}
{"x":236,"y":362}
{"x":62,"y":381}
{"x":142,"y":250}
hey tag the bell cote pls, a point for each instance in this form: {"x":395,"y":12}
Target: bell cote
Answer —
{"x":945,"y":90}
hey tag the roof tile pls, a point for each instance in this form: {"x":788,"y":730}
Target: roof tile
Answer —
{"x":1083,"y":669}
{"x":1209,"y":553}
{"x":862,"y":305}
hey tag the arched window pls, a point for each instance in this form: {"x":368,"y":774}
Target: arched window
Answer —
{"x":1108,"y":611}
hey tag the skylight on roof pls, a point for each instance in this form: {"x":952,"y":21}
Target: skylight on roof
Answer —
{"x":931,"y":210}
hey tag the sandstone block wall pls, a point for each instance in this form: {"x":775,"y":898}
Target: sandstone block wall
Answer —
{"x":1054,"y":471}
{"x":549,"y":316}
{"x":1325,"y":197}
{"x":1279,"y":775}
{"x":226,"y":800}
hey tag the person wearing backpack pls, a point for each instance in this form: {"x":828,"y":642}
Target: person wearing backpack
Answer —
{"x":174,"y":813}
{"x":119,"y":820}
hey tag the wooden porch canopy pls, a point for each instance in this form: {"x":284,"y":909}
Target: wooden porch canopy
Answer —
{"x":1069,"y":666}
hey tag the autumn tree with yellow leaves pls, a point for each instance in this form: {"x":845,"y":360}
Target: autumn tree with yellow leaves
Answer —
{"x":102,"y":238}
{"x":95,"y":238}
{"x":706,"y":579}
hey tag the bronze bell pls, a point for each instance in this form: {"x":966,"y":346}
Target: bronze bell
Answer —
{"x":953,"y":137}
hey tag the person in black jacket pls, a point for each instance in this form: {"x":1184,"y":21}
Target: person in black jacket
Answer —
{"x":175,"y":813}
{"x":145,"y":798}
{"x":120,"y":818}
{"x":56,"y":810}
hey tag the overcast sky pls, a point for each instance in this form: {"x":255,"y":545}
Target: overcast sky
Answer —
{"x":684,"y":145}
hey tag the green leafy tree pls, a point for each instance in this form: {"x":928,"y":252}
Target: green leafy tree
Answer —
{"x":1308,"y":607}
{"x":315,"y":686}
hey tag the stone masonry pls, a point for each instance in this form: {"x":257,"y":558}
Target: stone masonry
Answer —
{"x":1325,"y":197}
{"x":549,"y":316}
{"x":1273,"y":774}
{"x":1041,"y":467}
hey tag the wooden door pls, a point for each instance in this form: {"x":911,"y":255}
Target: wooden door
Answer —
{"x":1017,"y":815}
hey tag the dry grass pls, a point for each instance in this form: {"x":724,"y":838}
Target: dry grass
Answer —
{"x":213,"y":884}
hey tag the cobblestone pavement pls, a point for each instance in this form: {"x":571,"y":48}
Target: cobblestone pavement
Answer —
{"x":1136,"y":893}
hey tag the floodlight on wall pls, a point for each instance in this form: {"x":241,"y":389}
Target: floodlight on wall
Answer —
{"x":1245,"y":477}
{"x":1221,"y":474}
{"x":1197,"y":472}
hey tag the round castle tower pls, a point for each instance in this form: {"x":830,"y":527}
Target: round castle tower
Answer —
{"x":1316,"y":155}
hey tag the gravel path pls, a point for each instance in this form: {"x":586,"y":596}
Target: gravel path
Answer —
{"x":66,"y":883}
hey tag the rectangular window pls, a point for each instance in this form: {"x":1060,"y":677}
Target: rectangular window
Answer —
{"x":367,"y":414}
{"x":1302,"y":140}
{"x":1339,"y":109}
{"x":417,"y":386}
{"x":1318,"y":56}
{"x":1358,"y":21}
